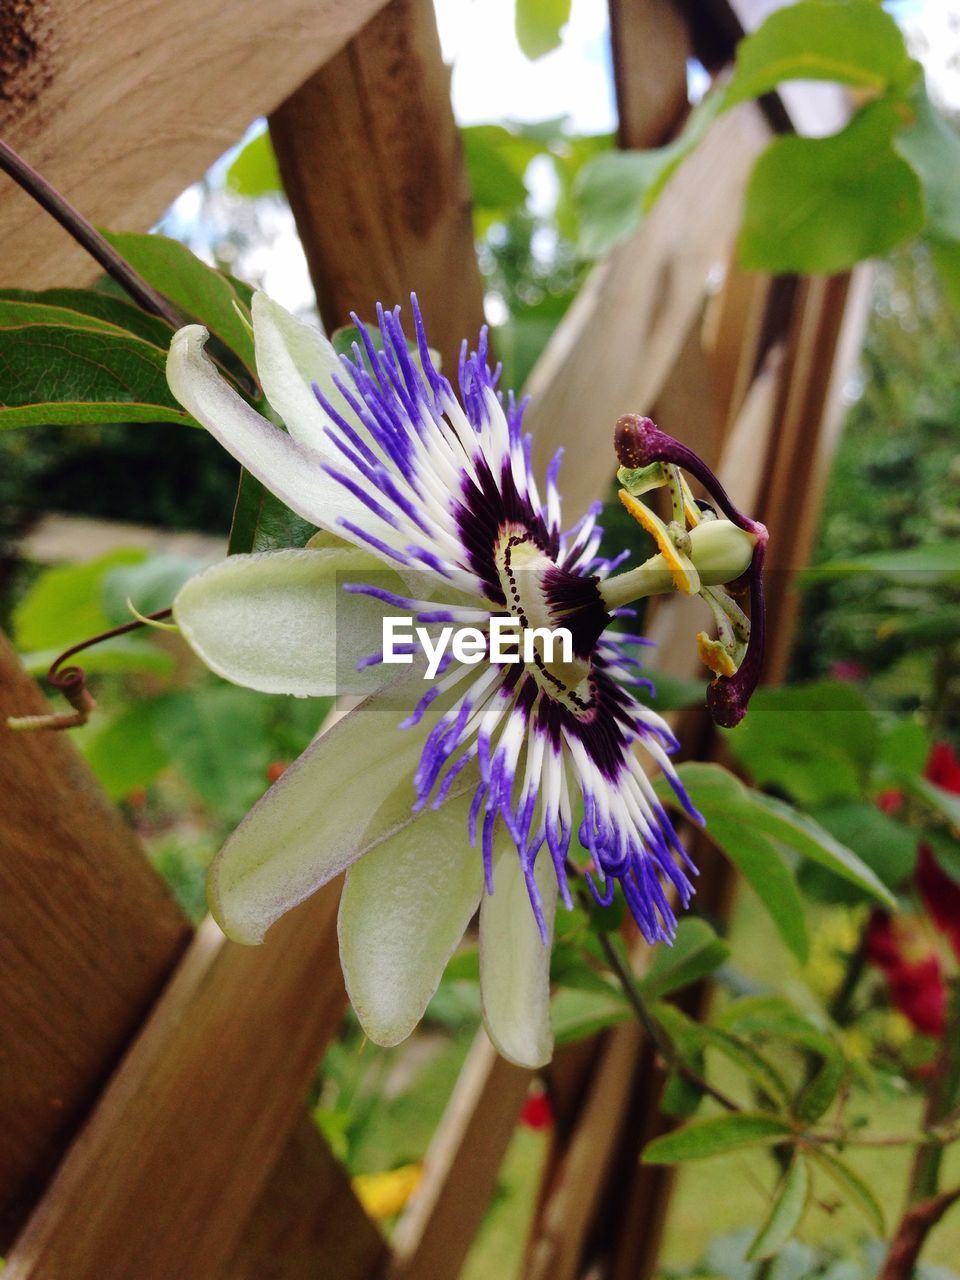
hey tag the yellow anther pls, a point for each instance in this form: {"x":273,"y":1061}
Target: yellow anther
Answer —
{"x":682,"y":569}
{"x":715,"y":655}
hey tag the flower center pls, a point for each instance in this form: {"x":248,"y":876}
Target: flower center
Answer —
{"x":525,"y":572}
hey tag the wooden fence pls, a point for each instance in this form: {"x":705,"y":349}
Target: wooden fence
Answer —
{"x":152,"y":1079}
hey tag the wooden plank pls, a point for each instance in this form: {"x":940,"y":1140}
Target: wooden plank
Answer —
{"x":219,"y":1072}
{"x":307,"y":1223}
{"x":197,"y":73}
{"x":59,"y":539}
{"x":652,"y":34}
{"x":622,"y":335}
{"x":89,"y":935}
{"x":579,"y":1181}
{"x":372,"y":163}
{"x":433,"y":1237}
{"x":826,"y":342}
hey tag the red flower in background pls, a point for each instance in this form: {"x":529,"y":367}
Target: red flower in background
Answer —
{"x":913,"y":971}
{"x":915,"y":982}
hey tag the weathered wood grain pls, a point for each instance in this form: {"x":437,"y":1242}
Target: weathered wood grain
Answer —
{"x":372,"y":163}
{"x":89,"y":935}
{"x":122,"y":106}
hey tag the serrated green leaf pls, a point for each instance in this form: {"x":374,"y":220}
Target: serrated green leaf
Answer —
{"x":852,"y":1186}
{"x":95,"y":305}
{"x":696,"y":952}
{"x":716,"y":1135}
{"x":539,"y":24}
{"x":855,"y":43}
{"x":57,"y":375}
{"x":253,"y":172}
{"x":191,"y":285}
{"x":821,"y":205}
{"x":931,"y":146}
{"x":785,"y":1213}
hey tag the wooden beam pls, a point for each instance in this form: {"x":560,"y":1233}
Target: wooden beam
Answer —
{"x":122,"y":106}
{"x":372,"y":163}
{"x":433,"y":1237}
{"x":219,"y":1073}
{"x":651,"y":44}
{"x":89,"y":936}
{"x":623,"y":332}
{"x":307,"y":1223}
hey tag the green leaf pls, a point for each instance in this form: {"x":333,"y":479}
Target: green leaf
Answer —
{"x":765,"y":1015}
{"x":254,"y":171}
{"x":760,"y":863}
{"x":219,"y":742}
{"x":817,"y":742}
{"x":820,"y":1090}
{"x":946,"y":259}
{"x":191,"y":285}
{"x":93,"y":305}
{"x":64,"y":605}
{"x":904,"y":747}
{"x":716,"y":1135}
{"x":809,"y":839}
{"x":57,"y":375}
{"x":14,"y":313}
{"x":672,"y":693}
{"x":855,"y":43}
{"x":126,"y":753}
{"x":852,"y":1186}
{"x":261,"y":522}
{"x":539,"y":24}
{"x":695,"y":953}
{"x":578,"y":1014}
{"x":932,"y":148}
{"x":944,"y":803}
{"x":885,"y":845}
{"x":724,"y":797}
{"x":691,"y":1039}
{"x":615,"y":189}
{"x":122,"y":655}
{"x":496,"y":165}
{"x":149,"y":585}
{"x":820,"y":205}
{"x":927,"y":563}
{"x":785,"y":1213}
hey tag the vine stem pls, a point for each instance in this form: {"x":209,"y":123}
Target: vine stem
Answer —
{"x":659,"y":1041}
{"x":911,"y":1234}
{"x":86,"y":235}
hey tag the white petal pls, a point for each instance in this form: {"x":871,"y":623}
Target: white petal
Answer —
{"x":291,"y":356}
{"x":404,"y":908}
{"x":278,"y":622}
{"x":515,"y":962}
{"x":349,"y":789}
{"x":288,"y":468}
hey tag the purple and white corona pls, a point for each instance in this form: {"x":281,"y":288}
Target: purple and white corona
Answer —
{"x":481,"y":787}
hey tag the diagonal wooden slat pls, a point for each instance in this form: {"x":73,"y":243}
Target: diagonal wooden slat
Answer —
{"x":651,"y":45}
{"x":373,"y":166}
{"x":122,"y":106}
{"x":90,"y":934}
{"x":626,"y":327}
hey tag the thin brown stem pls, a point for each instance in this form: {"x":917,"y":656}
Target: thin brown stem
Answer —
{"x":72,"y":681}
{"x":911,"y":1234}
{"x":86,"y":235}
